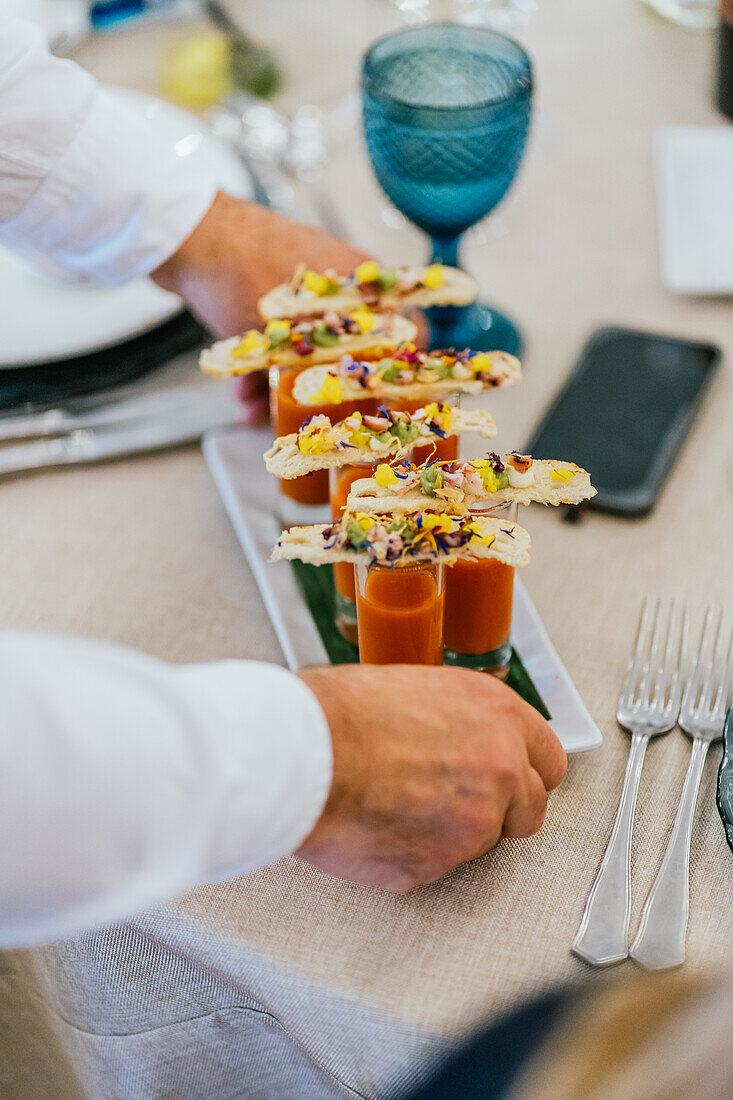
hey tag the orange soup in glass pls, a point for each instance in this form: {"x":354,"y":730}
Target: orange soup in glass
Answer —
{"x":400,"y":613}
{"x":287,"y":416}
{"x":340,"y":481}
{"x":478,"y":609}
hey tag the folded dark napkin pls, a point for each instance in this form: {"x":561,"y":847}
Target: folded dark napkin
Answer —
{"x":47,"y":384}
{"x":725,"y":779}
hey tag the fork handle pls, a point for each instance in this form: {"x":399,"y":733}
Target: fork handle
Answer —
{"x":603,"y":934}
{"x":660,"y":941}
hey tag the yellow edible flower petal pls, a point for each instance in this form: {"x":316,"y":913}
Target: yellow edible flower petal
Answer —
{"x":561,"y":473}
{"x":359,"y":439}
{"x":488,"y":474}
{"x":250,"y":343}
{"x":330,"y":392}
{"x":365,"y":521}
{"x":367,"y":272}
{"x":319,"y":284}
{"x":481,"y":362}
{"x":444,"y":418}
{"x":364,"y":318}
{"x":440,"y":523}
{"x":277,"y":326}
{"x":385,"y":476}
{"x":433,"y":276}
{"x":316,"y":444}
{"x":431,"y":410}
{"x":477,"y":532}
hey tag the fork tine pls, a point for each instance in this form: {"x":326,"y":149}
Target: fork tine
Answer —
{"x":720,"y":704}
{"x":653,"y":670}
{"x":695,"y":680}
{"x":633,"y":668}
{"x":680,"y":672}
{"x":644,"y":682}
{"x":711,"y":664}
{"x":667,"y":681}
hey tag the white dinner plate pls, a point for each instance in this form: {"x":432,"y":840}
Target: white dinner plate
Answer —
{"x":45,"y":317}
{"x":250,"y":496}
{"x":695,"y":205}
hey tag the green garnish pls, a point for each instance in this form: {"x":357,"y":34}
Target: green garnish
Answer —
{"x":392,"y":372}
{"x":323,"y":337}
{"x":277,"y":337}
{"x":355,"y":533}
{"x":387,"y":279}
{"x":406,"y":433}
{"x":431,"y":478}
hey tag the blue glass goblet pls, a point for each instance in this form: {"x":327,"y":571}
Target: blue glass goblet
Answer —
{"x":446,"y":112}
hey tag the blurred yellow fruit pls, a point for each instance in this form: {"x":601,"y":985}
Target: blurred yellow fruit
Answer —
{"x":197,"y":74}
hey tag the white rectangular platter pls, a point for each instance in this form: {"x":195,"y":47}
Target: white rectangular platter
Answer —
{"x":251,"y":498}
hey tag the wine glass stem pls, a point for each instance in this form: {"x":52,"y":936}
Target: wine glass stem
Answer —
{"x":445,"y":250}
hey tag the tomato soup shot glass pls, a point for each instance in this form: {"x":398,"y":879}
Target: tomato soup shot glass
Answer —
{"x":340,"y":480}
{"x":478,"y":608}
{"x":400,"y":613}
{"x":287,"y":416}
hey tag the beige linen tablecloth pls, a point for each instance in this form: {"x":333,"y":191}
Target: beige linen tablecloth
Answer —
{"x":289,"y":984}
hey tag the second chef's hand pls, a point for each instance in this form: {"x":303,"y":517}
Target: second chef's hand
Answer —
{"x":236,"y":253}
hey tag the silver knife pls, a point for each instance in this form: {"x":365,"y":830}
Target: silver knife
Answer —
{"x":96,"y":411}
{"x":184,"y":422}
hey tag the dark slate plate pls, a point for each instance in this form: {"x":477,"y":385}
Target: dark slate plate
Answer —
{"x":725,"y":779}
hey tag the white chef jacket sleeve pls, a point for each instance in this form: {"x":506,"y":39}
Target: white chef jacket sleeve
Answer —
{"x":85,"y":181}
{"x":125,"y":780}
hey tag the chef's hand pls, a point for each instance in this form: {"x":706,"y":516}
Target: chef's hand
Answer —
{"x":236,"y":253}
{"x":431,"y":768}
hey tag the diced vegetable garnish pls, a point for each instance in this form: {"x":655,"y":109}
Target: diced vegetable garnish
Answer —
{"x":433,"y":276}
{"x":385,"y":476}
{"x":252,"y":341}
{"x":330,"y":392}
{"x":319,"y":284}
{"x":323,"y":336}
{"x":364,"y":318}
{"x":368,"y":272}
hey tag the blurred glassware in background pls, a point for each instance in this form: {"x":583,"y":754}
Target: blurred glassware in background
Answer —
{"x":446,"y":113}
{"x":499,"y":14}
{"x":282,"y":151}
{"x":695,"y":14}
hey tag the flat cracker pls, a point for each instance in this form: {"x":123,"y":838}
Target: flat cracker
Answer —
{"x":284,"y":460}
{"x":506,"y":370}
{"x":388,"y":333}
{"x":511,"y":546}
{"x":367,"y":496}
{"x":457,"y":289}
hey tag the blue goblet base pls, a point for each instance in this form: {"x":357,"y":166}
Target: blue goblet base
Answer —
{"x":478,"y":326}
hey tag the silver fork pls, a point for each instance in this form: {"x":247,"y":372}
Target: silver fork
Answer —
{"x":647,"y":707}
{"x":660,"y":941}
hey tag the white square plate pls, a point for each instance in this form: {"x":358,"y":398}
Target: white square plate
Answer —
{"x":694,"y":166}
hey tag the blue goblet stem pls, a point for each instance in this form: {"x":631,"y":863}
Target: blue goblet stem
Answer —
{"x":445,"y":250}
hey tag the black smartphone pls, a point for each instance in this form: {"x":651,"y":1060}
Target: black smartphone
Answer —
{"x":625,"y":411}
